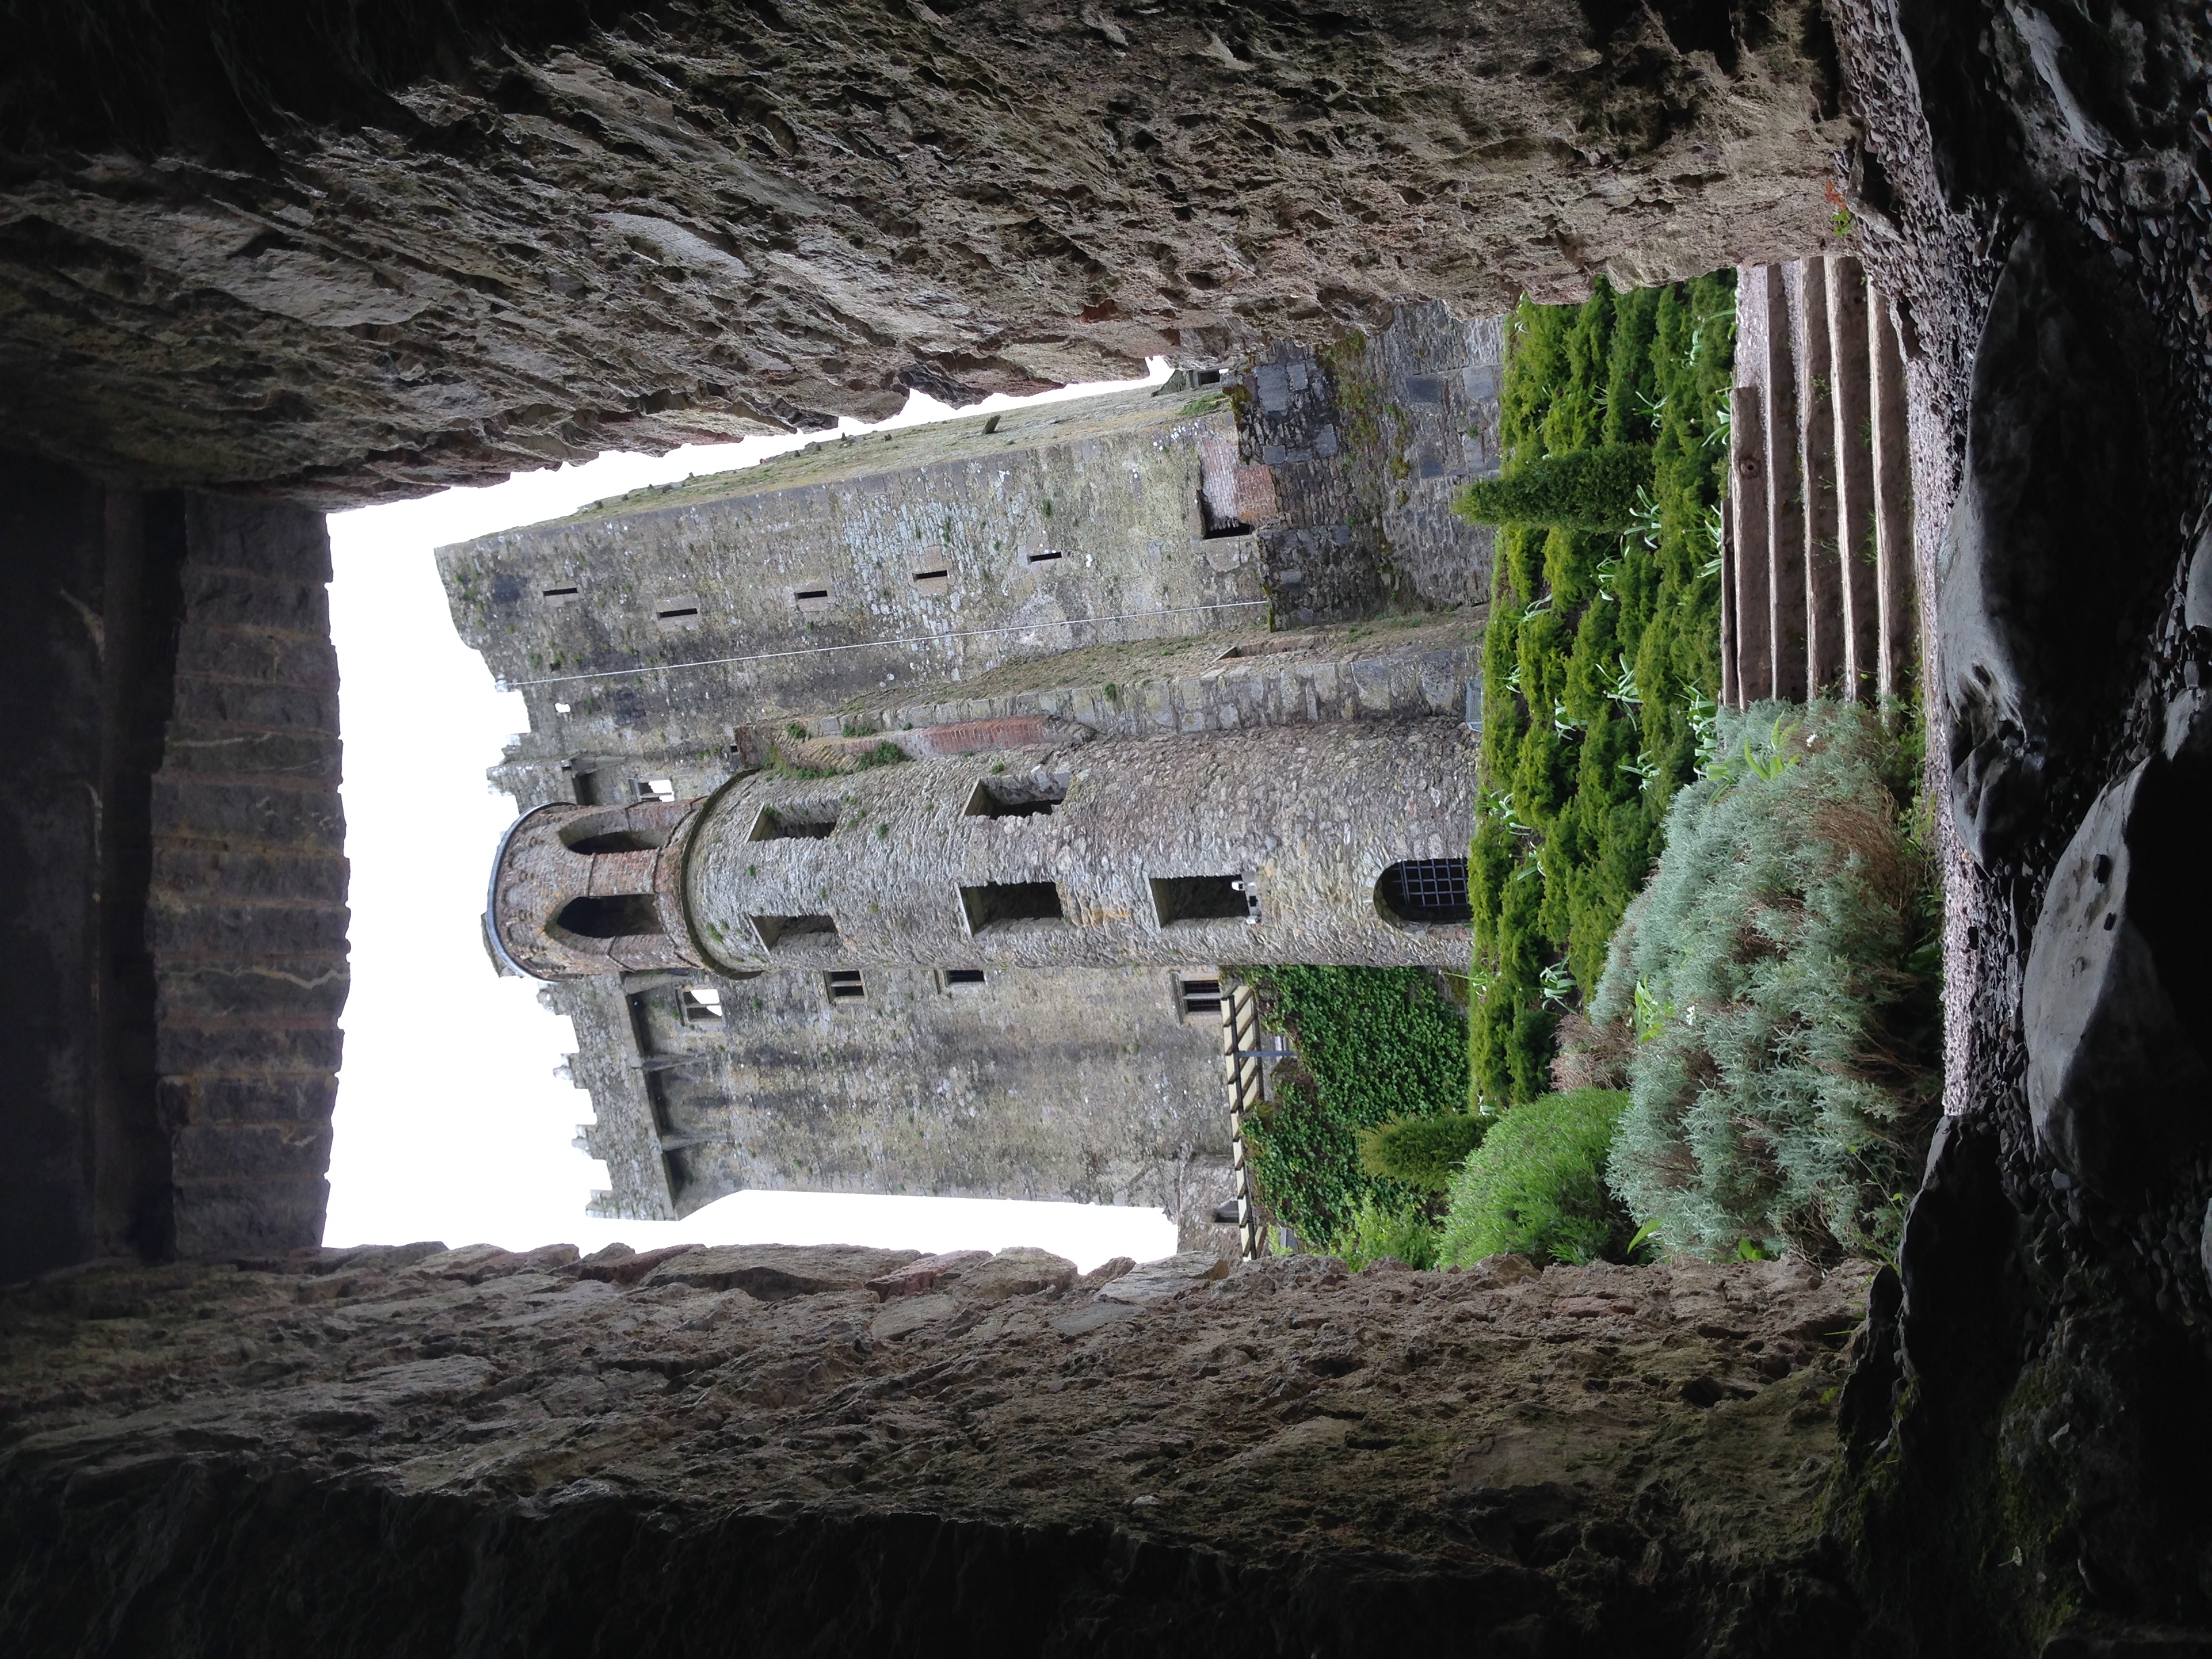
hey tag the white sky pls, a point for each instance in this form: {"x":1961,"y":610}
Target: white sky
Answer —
{"x":450,"y":1122}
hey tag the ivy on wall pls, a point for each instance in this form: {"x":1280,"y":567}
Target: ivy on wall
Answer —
{"x":1372,"y":1043}
{"x":1601,"y":659}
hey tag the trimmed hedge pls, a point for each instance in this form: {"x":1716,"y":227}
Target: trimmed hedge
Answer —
{"x":1602,"y":655}
{"x":1424,"y":1153}
{"x":1537,"y":1185}
{"x":1373,"y":1044}
{"x":1584,"y":489}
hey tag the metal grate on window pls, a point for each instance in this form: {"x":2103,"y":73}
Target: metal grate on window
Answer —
{"x":1428,"y":889}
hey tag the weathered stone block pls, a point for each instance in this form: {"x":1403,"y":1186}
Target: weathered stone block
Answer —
{"x":208,"y":1151}
{"x":279,"y":989}
{"x":296,"y":1101}
{"x":775,"y":1273}
{"x":289,"y":929}
{"x":265,"y":813}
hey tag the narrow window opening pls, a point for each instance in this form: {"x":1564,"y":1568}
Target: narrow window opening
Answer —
{"x":845,"y":985}
{"x":702,"y":1005}
{"x":656,"y":789}
{"x":1014,"y":797}
{"x":779,"y":930}
{"x":587,"y":788}
{"x":610,"y":915}
{"x":618,"y":841}
{"x":560,"y":595}
{"x":1214,"y":525}
{"x":1045,"y":555}
{"x":810,"y":822}
{"x":1204,"y":898}
{"x":1424,"y":889}
{"x":1198,"y":996}
{"x":810,"y":601}
{"x":932,"y":581}
{"x":998,"y":903}
{"x":963,"y":979}
{"x":674,"y":615}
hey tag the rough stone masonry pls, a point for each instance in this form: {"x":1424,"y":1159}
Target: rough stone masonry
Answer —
{"x":763,"y":1449}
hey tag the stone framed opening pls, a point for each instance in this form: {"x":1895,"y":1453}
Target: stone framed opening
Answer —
{"x":1181,"y":899}
{"x":1013,"y":797}
{"x":845,"y":985}
{"x":806,"y":821}
{"x":609,"y":915}
{"x":1007,"y":903}
{"x":787,"y":931}
{"x":1424,"y":891}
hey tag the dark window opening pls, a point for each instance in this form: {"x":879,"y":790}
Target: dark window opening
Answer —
{"x":610,"y":915}
{"x":558,"y":595}
{"x":997,"y":902}
{"x":587,"y":788}
{"x":810,"y":601}
{"x":786,"y":930}
{"x":682,"y":612}
{"x":1204,"y":898}
{"x":620,"y":841}
{"x":1425,"y":890}
{"x":934,"y":581}
{"x":1214,"y":525}
{"x":810,"y":823}
{"x":1014,"y":797}
{"x":845,"y":985}
{"x":1046,"y":555}
{"x":963,"y":979}
{"x":671,"y":615}
{"x":1198,"y":996}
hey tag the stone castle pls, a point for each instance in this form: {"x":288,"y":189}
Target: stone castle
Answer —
{"x":890,"y":807}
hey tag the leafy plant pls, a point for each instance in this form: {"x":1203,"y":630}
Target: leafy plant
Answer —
{"x":1372,"y":1044}
{"x":1378,"y":1231}
{"x":1536,"y":1185}
{"x":1603,"y":489}
{"x":1780,"y":972}
{"x":1422,"y":1152}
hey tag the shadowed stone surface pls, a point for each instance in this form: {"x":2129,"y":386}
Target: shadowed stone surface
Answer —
{"x":364,"y":1451}
{"x":375,"y":251}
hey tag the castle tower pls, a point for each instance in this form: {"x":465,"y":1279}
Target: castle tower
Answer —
{"x":1338,"y":844}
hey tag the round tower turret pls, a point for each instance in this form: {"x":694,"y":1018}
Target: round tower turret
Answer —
{"x":577,"y":890}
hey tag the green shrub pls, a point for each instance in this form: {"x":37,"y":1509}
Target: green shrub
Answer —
{"x":1376,"y":1230}
{"x":1780,"y":972}
{"x":1373,"y":1043}
{"x":1582,"y":489}
{"x":1537,"y":1185}
{"x":1422,"y":1152}
{"x":1601,"y":656}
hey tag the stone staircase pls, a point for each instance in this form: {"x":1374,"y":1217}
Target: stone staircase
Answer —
{"x":1818,"y":594}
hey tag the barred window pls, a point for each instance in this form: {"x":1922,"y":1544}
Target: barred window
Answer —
{"x":1425,"y":890}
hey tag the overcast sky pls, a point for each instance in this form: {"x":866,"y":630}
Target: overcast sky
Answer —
{"x":451,"y":1124}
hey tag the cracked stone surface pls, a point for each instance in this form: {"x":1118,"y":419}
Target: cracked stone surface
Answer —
{"x":267,"y":244}
{"x":1575,"y":1457}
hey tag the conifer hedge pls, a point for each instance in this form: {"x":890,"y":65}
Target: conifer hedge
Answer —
{"x":1602,"y":654}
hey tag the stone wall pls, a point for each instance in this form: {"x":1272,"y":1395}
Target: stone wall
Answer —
{"x":475,"y":1452}
{"x":480,"y":236}
{"x":793,"y":584}
{"x":176,"y":906}
{"x":1085,"y":1085}
{"x":1369,"y":438}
